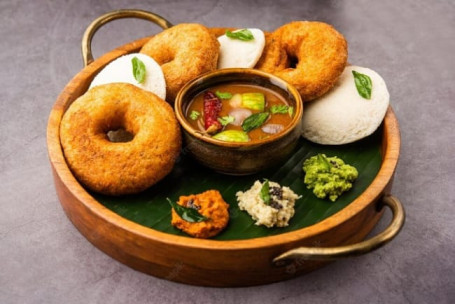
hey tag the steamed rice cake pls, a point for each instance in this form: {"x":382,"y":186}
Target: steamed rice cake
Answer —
{"x":343,"y":116}
{"x":121,"y":70}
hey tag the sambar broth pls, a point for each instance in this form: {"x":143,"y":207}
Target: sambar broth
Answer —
{"x":272,"y":98}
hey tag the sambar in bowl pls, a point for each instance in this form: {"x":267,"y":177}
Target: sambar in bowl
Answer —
{"x":239,"y":121}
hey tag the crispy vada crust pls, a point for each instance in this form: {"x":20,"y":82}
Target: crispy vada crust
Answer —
{"x":220,"y":31}
{"x":211,"y":205}
{"x":274,"y":57}
{"x":123,"y":167}
{"x":184,"y":52}
{"x":321,"y":53}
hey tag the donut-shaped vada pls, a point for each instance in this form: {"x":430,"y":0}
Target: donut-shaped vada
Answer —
{"x":118,"y":168}
{"x":274,"y":57}
{"x":316,"y":56}
{"x":184,"y":52}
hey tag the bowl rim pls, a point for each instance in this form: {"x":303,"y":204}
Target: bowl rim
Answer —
{"x":178,"y":107}
{"x":391,"y":151}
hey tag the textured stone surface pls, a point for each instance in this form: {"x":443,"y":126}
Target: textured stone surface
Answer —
{"x":43,"y":258}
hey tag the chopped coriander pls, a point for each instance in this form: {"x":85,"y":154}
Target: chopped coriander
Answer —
{"x":225,"y":120}
{"x":194,"y":115}
{"x":223,"y":95}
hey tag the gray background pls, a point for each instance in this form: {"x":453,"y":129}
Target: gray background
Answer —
{"x":43,"y":258}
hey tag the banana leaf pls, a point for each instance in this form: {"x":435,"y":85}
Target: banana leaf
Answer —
{"x":151,"y":209}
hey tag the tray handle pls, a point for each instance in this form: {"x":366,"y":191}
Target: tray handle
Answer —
{"x":86,"y":45}
{"x":332,"y":253}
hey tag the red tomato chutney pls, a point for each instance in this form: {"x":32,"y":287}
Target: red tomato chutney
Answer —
{"x":239,"y":112}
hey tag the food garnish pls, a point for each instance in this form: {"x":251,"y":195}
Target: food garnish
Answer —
{"x":323,"y":162}
{"x":210,"y":205}
{"x":138,"y":69}
{"x":212,"y":107}
{"x":244,"y":34}
{"x":363,"y":84}
{"x":232,"y":136}
{"x":281,"y":109}
{"x":328,"y":176}
{"x":189,"y":214}
{"x":265,"y":195}
{"x":225,"y":120}
{"x":223,"y":95}
{"x":253,"y":101}
{"x":254,"y":121}
{"x":268,"y":203}
{"x":194,"y":115}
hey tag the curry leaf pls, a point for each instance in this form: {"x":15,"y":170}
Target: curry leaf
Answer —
{"x":188,"y":214}
{"x":138,"y":69}
{"x":254,"y":121}
{"x":324,"y":162}
{"x":265,"y":192}
{"x":363,"y":84}
{"x":245,"y":35}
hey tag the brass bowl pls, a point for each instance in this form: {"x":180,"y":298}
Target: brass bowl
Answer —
{"x":239,"y":158}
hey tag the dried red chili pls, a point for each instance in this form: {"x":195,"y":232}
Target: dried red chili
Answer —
{"x":212,"y":107}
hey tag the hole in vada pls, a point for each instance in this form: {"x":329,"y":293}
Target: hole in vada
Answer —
{"x":293,"y":61}
{"x":166,"y":58}
{"x":119,"y":135}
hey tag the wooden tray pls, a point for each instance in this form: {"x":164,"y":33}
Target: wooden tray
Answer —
{"x":226,"y":261}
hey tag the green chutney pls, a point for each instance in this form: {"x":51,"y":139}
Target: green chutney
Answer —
{"x":328,"y":176}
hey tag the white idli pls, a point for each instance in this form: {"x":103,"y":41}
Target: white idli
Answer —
{"x":343,"y":116}
{"x":121,"y":70}
{"x":236,"y":53}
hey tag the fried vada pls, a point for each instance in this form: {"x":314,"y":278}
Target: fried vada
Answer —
{"x":118,"y":168}
{"x":316,"y":56}
{"x":184,"y":52}
{"x":220,"y":31}
{"x":274,"y":57}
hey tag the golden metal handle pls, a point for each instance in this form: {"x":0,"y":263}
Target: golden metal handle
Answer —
{"x":332,"y":253}
{"x":118,"y":14}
